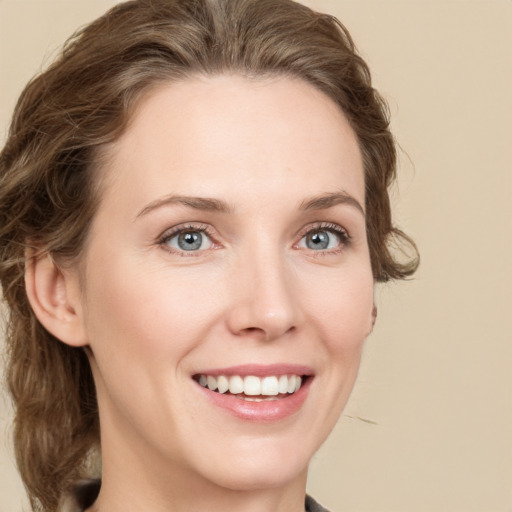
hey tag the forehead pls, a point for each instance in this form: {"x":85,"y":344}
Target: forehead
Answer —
{"x":197,"y":133}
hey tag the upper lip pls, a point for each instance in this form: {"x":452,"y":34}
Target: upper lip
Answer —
{"x":259,"y":370}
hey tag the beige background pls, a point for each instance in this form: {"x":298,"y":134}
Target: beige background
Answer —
{"x":436,"y":381}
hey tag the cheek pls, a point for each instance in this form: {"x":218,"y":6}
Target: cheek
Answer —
{"x":145,"y":313}
{"x":141,"y":328}
{"x":342,"y":309}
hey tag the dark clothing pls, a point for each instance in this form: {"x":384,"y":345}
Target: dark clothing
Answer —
{"x":313,"y":506}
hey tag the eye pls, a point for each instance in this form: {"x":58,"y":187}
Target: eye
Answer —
{"x":190,"y":239}
{"x":324,"y":238}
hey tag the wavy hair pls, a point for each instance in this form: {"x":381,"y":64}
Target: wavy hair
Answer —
{"x":49,"y":187}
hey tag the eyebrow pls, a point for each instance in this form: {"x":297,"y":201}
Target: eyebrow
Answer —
{"x":209,"y":204}
{"x":329,"y":200}
{"x":197,"y":203}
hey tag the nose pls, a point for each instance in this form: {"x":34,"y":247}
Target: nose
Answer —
{"x":263,"y":302}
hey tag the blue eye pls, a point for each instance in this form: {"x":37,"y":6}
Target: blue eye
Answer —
{"x":323,"y":239}
{"x":318,"y":241}
{"x":189,"y":240}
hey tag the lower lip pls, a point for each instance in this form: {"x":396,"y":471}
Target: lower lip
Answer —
{"x":259,"y":412}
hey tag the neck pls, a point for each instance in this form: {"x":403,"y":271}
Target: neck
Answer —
{"x":185,"y":494}
{"x":134,"y":482}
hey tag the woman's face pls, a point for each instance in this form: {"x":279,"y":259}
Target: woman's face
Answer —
{"x":229,"y":249}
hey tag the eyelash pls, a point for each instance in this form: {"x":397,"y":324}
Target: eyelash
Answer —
{"x":341,"y":233}
{"x":194,"y":228}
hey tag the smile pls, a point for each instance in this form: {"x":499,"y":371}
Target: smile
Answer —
{"x":256,"y":393}
{"x":251,"y":387}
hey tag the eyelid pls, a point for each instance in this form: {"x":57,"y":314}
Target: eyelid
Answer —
{"x":338,"y":230}
{"x":170,"y":233}
{"x":341,"y":232}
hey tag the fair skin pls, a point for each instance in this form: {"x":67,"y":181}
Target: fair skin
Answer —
{"x":230,"y":232}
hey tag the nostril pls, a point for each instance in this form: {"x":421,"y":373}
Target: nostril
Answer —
{"x":253,"y":329}
{"x":264,"y":334}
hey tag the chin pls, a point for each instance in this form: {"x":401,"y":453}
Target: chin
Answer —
{"x":257,"y":477}
{"x":264,"y":465}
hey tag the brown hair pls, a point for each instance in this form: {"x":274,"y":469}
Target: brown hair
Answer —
{"x":82,"y":102}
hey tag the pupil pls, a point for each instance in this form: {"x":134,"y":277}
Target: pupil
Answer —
{"x":190,"y":241}
{"x":319,"y":240}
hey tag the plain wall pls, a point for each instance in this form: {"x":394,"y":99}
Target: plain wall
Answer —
{"x":429,"y":426}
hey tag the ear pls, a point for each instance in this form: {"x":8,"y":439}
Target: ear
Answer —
{"x":374,"y":310}
{"x":373,"y":320}
{"x":374,"y":316}
{"x":54,"y":295}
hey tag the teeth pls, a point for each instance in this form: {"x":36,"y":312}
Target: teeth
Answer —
{"x":236,"y":385}
{"x":252,"y":386}
{"x":270,"y":386}
{"x":222,"y":384}
{"x":211,"y":382}
{"x":283,"y":384}
{"x":291,"y":384}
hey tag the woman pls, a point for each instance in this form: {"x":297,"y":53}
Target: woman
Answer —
{"x":194,"y":212}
